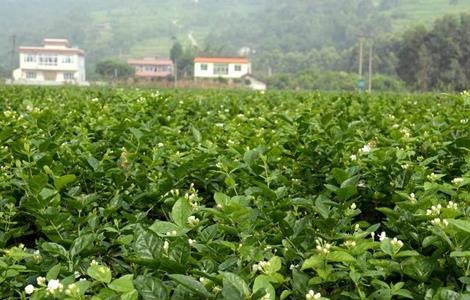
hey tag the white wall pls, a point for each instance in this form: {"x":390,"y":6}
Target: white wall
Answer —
{"x":77,"y":66}
{"x":209,"y":73}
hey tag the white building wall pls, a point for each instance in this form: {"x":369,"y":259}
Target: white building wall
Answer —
{"x":66,"y":63}
{"x":232,"y":73}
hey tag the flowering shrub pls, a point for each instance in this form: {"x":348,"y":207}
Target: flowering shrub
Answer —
{"x":136,"y":194}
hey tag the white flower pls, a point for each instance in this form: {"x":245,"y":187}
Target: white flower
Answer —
{"x":312,"y":295}
{"x":372,"y":235}
{"x":350,"y":244}
{"x":412,"y":196}
{"x":29,"y":289}
{"x":193,"y":221}
{"x":93,"y":263}
{"x":365,"y":149}
{"x":433,"y":177}
{"x":353,"y":206}
{"x":397,"y":242}
{"x":382,"y":236}
{"x":41,"y":281}
{"x":72,"y":289}
{"x":452,"y":205}
{"x":353,"y":157}
{"x":204,"y":280}
{"x":166,"y":246}
{"x":191,"y":242}
{"x":160,"y":145}
{"x":457,"y":181}
{"x":267,"y":296}
{"x":434,"y":211}
{"x":220,"y":206}
{"x":464,"y":121}
{"x":172,"y":233}
{"x":54,"y":285}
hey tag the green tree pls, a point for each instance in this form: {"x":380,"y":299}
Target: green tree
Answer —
{"x":112,"y":69}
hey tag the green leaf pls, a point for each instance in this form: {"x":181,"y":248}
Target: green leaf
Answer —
{"x":55,"y":249}
{"x":322,"y":205}
{"x":274,"y":265}
{"x":460,"y":254}
{"x":47,"y":193}
{"x":131,"y":295}
{"x":61,"y":182}
{"x":263,"y":282}
{"x":462,"y":225}
{"x":100,"y":273}
{"x":150,"y":288}
{"x":221,"y":198}
{"x":53,"y":272}
{"x":137,"y":133}
{"x":147,"y":245}
{"x":94,"y":163}
{"x":313,"y":262}
{"x":340,"y":256}
{"x":164,"y":229}
{"x":346,"y":192}
{"x":81,"y":243}
{"x":419,"y":268}
{"x":407,"y":253}
{"x":181,"y":211}
{"x":234,"y":287}
{"x":191,"y":284}
{"x":123,"y":284}
{"x":387,"y":247}
{"x":196,"y":134}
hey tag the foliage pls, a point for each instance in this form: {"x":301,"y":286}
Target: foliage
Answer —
{"x":127,"y":194}
{"x":331,"y":81}
{"x":111,"y":69}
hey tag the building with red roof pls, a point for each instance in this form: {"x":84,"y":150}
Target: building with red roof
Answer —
{"x":221,"y":67}
{"x":152,"y":67}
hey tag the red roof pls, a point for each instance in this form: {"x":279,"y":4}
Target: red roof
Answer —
{"x":54,"y":50}
{"x":226,"y":60}
{"x":150,"y":62}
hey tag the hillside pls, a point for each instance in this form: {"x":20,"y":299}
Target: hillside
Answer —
{"x":117,"y":28}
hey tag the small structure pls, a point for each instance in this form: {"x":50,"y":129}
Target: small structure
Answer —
{"x":254,"y":84}
{"x":54,"y":63}
{"x":152,"y":67}
{"x":221,"y":67}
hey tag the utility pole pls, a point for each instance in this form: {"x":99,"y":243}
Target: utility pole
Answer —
{"x":360,"y":81}
{"x":371,"y":50}
{"x":361,"y":52}
{"x":176,"y":74}
{"x":12,"y":54}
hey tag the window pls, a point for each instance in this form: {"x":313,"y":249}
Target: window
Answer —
{"x":29,"y":58}
{"x":47,"y":60}
{"x":221,"y":69}
{"x":69,"y":76}
{"x":31,"y":75}
{"x":204,"y":67}
{"x":67,"y":59}
{"x":238,"y":68}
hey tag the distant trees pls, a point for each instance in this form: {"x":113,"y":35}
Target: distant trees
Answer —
{"x":182,"y":58}
{"x":112,"y":69}
{"x":437,"y":58}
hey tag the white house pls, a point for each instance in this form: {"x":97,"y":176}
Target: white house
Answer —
{"x":224,"y":67}
{"x":53,"y":64}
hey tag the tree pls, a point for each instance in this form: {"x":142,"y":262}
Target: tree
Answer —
{"x":176,"y":52}
{"x":111,"y":69}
